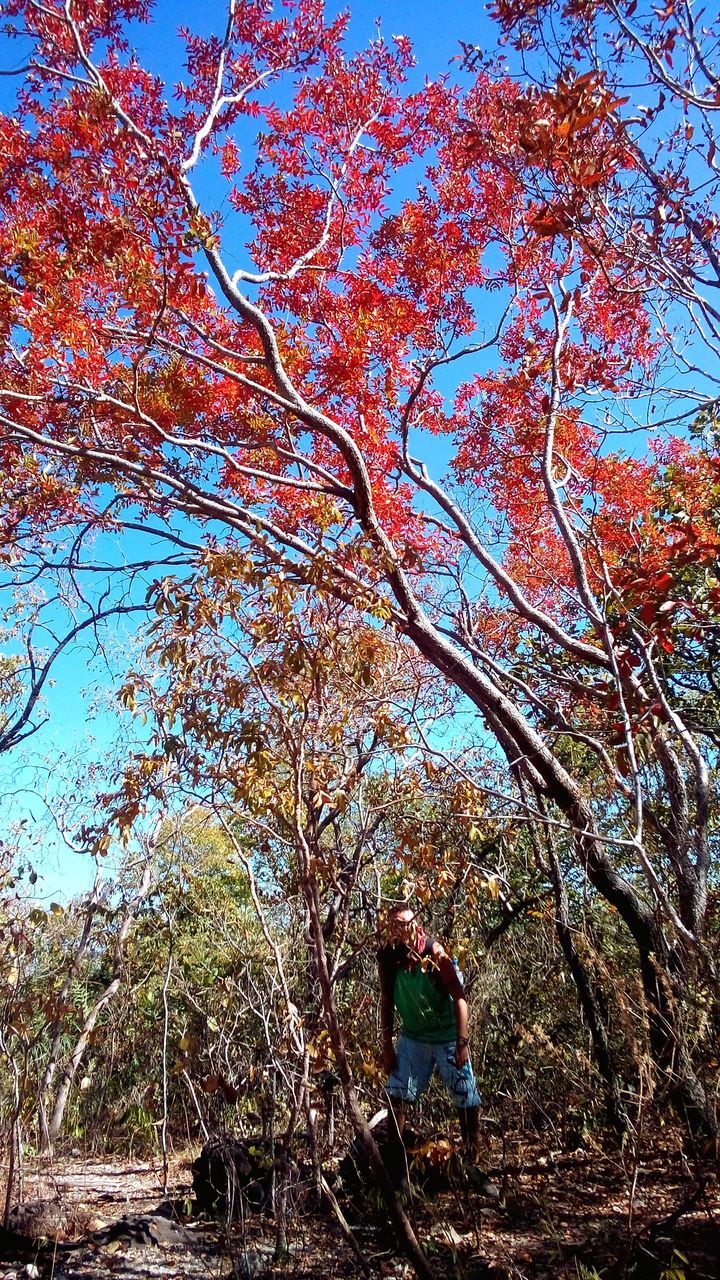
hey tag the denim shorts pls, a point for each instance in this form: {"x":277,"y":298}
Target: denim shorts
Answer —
{"x":415,"y":1062}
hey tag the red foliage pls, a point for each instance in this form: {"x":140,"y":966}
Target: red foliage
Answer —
{"x":118,"y":349}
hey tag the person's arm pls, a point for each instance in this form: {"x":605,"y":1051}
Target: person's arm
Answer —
{"x":455,"y":989}
{"x":387,"y":1012}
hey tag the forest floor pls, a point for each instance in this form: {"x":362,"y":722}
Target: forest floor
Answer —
{"x":571,"y":1215}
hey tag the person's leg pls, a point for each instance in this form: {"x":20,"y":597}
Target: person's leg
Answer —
{"x":397,"y":1114}
{"x":460,"y":1081}
{"x":395,"y":1157}
{"x":404,"y":1086}
{"x":469,"y":1118}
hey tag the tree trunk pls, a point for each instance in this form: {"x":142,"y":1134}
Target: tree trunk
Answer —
{"x":668,"y":1043}
{"x":67,"y":1078}
{"x":587,"y":997}
{"x":56,"y":1028}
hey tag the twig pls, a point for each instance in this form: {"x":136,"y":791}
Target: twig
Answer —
{"x":344,"y":1224}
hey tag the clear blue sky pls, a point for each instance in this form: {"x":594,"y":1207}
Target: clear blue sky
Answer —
{"x":435,"y":29}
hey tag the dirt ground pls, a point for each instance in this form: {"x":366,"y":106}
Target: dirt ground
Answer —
{"x":582,"y":1215}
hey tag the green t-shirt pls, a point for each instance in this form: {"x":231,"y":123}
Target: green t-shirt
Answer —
{"x":425,"y":1007}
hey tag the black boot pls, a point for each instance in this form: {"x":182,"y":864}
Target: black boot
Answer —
{"x":470,"y":1132}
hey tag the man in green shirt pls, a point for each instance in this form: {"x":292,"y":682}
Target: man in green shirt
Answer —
{"x":419,"y":981}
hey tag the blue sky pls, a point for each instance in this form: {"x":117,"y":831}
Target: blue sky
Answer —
{"x":435,"y":29}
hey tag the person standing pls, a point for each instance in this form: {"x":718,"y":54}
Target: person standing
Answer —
{"x":420,"y":983}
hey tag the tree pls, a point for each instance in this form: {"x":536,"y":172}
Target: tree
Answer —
{"x":192,"y":1027}
{"x":278,"y":406}
{"x":285,"y":719}
{"x":53,"y":1127}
